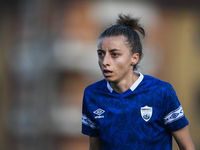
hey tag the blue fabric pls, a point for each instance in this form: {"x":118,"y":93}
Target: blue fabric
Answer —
{"x":124,"y":123}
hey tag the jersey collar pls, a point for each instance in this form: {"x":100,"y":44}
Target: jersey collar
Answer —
{"x":135,"y":84}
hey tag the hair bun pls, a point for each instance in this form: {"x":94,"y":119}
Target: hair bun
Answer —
{"x":131,"y":23}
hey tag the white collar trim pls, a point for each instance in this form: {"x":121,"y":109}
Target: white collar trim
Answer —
{"x":135,"y":84}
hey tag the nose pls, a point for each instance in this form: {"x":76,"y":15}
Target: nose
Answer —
{"x":106,"y":60}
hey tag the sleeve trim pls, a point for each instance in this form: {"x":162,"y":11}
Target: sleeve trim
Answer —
{"x":174,"y":115}
{"x":86,"y":121}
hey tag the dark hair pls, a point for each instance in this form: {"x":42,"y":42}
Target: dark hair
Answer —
{"x":128,"y":27}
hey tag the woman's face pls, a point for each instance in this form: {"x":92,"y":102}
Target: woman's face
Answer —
{"x":115,"y":59}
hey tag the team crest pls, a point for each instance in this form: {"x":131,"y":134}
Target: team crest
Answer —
{"x":146,"y":113}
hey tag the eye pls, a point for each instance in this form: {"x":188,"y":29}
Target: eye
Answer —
{"x":115,"y":54}
{"x":100,"y":54}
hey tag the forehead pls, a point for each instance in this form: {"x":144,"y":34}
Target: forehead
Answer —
{"x":116,"y":41}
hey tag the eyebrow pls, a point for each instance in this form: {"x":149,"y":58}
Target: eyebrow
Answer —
{"x":112,"y":50}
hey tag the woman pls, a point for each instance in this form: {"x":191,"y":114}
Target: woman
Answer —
{"x":128,"y":110}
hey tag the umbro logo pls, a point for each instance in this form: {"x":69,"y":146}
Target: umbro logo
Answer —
{"x":99,"y":112}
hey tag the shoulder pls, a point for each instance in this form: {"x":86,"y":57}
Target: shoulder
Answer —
{"x":94,"y":91}
{"x":96,"y":86}
{"x":150,"y":81}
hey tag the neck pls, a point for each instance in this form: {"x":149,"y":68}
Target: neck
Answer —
{"x":124,"y":85}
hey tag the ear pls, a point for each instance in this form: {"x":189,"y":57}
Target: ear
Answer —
{"x":135,"y":59}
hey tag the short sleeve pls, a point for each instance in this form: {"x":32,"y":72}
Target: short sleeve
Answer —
{"x":88,"y":124}
{"x":174,"y":118}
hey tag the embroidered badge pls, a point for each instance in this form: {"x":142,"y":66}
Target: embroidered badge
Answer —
{"x":99,"y":112}
{"x":146,"y":113}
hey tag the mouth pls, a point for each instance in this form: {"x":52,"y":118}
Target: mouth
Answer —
{"x":107,"y":73}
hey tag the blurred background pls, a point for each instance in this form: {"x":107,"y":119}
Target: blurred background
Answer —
{"x":48,"y":56}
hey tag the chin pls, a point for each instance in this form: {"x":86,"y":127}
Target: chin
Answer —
{"x":109,"y":79}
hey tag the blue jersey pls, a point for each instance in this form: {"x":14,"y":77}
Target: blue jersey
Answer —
{"x":142,"y":117}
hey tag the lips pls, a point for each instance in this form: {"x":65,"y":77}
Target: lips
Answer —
{"x":107,"y":72}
